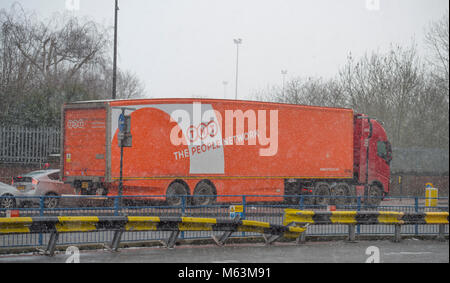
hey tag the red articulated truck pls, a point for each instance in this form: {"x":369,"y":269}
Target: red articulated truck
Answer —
{"x":220,"y":149}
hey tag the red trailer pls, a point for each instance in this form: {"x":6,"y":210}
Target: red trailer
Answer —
{"x":224,"y":147}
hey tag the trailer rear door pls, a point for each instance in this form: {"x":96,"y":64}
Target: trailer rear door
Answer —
{"x":84,"y":141}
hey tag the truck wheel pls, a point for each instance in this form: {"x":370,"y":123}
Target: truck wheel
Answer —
{"x":374,"y":195}
{"x":204,"y":194}
{"x":292,"y":189}
{"x":174,"y":194}
{"x":322,"y":193}
{"x":340,"y":194}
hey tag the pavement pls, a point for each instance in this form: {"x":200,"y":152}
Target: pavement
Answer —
{"x":383,"y":251}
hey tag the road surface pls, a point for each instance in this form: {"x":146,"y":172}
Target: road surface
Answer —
{"x":384,"y":251}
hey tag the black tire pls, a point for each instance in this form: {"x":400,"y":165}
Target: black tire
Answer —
{"x":51,"y":200}
{"x":292,"y":189}
{"x":7,"y":203}
{"x":322,"y":193}
{"x":374,"y":195}
{"x":341,"y":193}
{"x":204,"y":194}
{"x":174,"y":194}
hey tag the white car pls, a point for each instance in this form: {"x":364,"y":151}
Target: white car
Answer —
{"x":42,"y":183}
{"x":8,"y":196}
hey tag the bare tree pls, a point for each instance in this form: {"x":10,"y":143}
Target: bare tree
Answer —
{"x":310,"y":91}
{"x":385,"y":86}
{"x":45,"y":63}
{"x":437,"y":39}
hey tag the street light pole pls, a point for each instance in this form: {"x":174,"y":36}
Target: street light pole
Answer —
{"x":283,"y":73}
{"x":237,"y":42}
{"x":225,"y":83}
{"x":114,"y":92}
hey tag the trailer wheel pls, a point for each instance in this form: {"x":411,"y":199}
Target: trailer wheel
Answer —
{"x":204,"y":194}
{"x":290,"y":190}
{"x":374,"y":195}
{"x":322,"y":193}
{"x":174,"y":194}
{"x":340,"y":193}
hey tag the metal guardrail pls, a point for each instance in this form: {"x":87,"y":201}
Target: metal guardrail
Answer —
{"x":120,"y":224}
{"x":256,"y":210}
{"x":353,"y":218}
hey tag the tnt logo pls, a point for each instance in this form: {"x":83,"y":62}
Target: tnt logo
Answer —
{"x":73,"y":5}
{"x":76,"y":124}
{"x":202,"y":131}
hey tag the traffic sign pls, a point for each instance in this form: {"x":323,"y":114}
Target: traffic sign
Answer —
{"x":236,"y":210}
{"x":122,"y":123}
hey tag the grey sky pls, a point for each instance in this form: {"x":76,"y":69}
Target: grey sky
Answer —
{"x":183,"y":48}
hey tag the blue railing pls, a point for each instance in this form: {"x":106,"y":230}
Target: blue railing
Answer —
{"x":255,"y":209}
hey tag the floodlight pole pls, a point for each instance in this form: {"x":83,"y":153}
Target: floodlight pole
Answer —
{"x":116,"y":9}
{"x":237,"y":42}
{"x":283,"y":73}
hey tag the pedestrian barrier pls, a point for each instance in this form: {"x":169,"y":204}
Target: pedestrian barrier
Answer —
{"x":302,"y":218}
{"x":119,"y":224}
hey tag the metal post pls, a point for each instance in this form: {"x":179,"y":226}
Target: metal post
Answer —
{"x":183,"y":211}
{"x":52,"y":243}
{"x":397,"y":236}
{"x":220,"y":241}
{"x":116,"y":9}
{"x":271,"y":239}
{"x":283,"y":73}
{"x":441,"y":236}
{"x":301,"y":239}
{"x":416,"y":208}
{"x":301,"y":202}
{"x":116,"y":240}
{"x":116,"y":206}
{"x":41,"y":213}
{"x":244,"y":209}
{"x":170,"y":244}
{"x":237,"y":42}
{"x":351,"y":232}
{"x":225,"y":83}
{"x":358,"y":209}
{"x":121,"y":169}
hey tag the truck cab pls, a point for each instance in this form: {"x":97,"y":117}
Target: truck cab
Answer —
{"x":372,"y":158}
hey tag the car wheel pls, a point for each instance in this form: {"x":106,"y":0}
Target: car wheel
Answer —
{"x":51,"y":200}
{"x":203,"y":194}
{"x":7,"y":201}
{"x":174,"y":194}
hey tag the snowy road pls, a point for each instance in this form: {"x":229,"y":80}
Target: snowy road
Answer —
{"x":408,"y":251}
